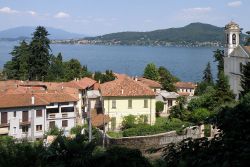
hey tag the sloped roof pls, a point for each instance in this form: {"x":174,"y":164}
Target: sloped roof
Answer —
{"x":150,"y":83}
{"x":20,"y":100}
{"x":125,"y":87}
{"x":247,"y":49}
{"x":93,"y":94}
{"x":188,"y":85}
{"x":100,"y":119}
{"x":168,"y":95}
{"x":57,"y":97}
{"x":80,"y":84}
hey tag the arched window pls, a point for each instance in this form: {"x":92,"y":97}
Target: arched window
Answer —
{"x":234,"y":39}
{"x":227,"y":39}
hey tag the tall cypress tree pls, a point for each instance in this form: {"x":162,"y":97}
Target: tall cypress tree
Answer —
{"x":207,"y":74}
{"x":245,"y":79}
{"x":40,"y":54}
{"x":219,"y":57}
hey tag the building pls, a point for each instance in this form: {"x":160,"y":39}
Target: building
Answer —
{"x":154,"y":85}
{"x":235,"y":57}
{"x":125,"y":96}
{"x":169,"y":99}
{"x":185,"y":88}
{"x":32,"y":115}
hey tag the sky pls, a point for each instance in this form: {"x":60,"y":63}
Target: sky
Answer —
{"x":96,"y":17}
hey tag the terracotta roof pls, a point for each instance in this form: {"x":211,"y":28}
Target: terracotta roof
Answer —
{"x":150,"y":83}
{"x":57,"y":97}
{"x":247,"y":49}
{"x":20,"y":100}
{"x":125,"y":87}
{"x":187,"y":85}
{"x":99,"y":119}
{"x":120,"y":76}
{"x":80,"y":84}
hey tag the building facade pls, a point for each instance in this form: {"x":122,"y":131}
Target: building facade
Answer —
{"x":235,"y":57}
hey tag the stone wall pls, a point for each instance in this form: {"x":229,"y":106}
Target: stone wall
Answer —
{"x":155,"y":141}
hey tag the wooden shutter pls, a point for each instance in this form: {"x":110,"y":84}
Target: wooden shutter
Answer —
{"x":64,"y":123}
{"x":52,"y":124}
{"x":4,"y":117}
{"x":25,"y":116}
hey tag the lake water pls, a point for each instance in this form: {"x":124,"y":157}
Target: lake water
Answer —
{"x":186,"y":63}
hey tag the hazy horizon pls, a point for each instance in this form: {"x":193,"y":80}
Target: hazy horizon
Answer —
{"x":93,"y":17}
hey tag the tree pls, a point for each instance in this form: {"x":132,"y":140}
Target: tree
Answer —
{"x":104,"y":77}
{"x":248,"y":39}
{"x":179,"y":111}
{"x":18,"y":67}
{"x":40,"y":54}
{"x":207,"y":74}
{"x":151,"y":72}
{"x":72,"y":69}
{"x":245,"y":79}
{"x":219,"y":58}
{"x":229,"y":148}
{"x":56,"y":70}
{"x":167,"y":79}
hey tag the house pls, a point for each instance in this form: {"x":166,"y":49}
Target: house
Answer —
{"x":169,"y":99}
{"x":154,"y":85}
{"x":235,"y":57}
{"x":125,"y":96}
{"x":31,"y":115}
{"x":185,"y":88}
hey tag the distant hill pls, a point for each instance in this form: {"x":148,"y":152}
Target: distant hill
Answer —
{"x":193,"y":33}
{"x":25,"y":33}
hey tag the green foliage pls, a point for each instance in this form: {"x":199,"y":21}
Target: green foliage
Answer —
{"x":54,"y":131}
{"x":56,"y":69}
{"x":128,"y":122}
{"x":229,"y":148}
{"x":207,"y":130}
{"x":179,"y":111}
{"x":151,"y":72}
{"x":245,"y":79}
{"x":199,"y":116}
{"x":72,"y":69}
{"x":107,"y":76}
{"x":207,"y":74}
{"x":115,"y":134}
{"x":162,"y":125}
{"x":77,"y":130}
{"x":39,"y":59}
{"x":159,"y":106}
{"x":167,"y":79}
{"x":218,"y":56}
{"x":248,"y":39}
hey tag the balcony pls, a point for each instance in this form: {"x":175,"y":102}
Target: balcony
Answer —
{"x":4,"y":125}
{"x":24,"y":122}
{"x":61,"y":115}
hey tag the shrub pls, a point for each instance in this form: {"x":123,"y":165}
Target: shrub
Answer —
{"x":129,"y":122}
{"x":76,"y":130}
{"x":199,"y":115}
{"x":159,"y":106}
{"x":54,"y":131}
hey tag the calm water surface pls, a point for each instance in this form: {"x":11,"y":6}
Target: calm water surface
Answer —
{"x":185,"y":63}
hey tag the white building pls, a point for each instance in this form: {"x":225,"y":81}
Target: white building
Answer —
{"x":235,"y":57}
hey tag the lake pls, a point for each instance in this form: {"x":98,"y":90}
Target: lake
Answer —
{"x":186,"y":63}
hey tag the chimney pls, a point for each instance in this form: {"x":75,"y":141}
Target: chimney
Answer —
{"x":33,"y":100}
{"x":62,"y":87}
{"x":136,"y":79}
{"x":122,"y":91}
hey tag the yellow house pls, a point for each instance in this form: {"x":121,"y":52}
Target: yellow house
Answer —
{"x":125,"y":96}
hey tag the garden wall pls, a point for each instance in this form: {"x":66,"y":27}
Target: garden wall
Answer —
{"x":155,"y":141}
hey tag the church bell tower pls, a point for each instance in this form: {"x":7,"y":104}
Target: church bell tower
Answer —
{"x":232,"y":31}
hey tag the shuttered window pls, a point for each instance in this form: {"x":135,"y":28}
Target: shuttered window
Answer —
{"x":39,"y":113}
{"x":130,"y":103}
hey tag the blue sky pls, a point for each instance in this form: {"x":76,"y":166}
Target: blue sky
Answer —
{"x":94,"y":17}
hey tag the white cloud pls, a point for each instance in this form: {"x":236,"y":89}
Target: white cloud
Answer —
{"x":33,"y":13}
{"x":234,"y":4}
{"x":7,"y":10}
{"x":198,"y":10}
{"x":61,"y":15}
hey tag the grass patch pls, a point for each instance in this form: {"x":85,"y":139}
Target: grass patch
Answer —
{"x":115,"y":134}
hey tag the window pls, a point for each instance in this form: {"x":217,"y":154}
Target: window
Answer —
{"x":4,"y":117}
{"x":145,"y":103}
{"x":67,"y":109}
{"x":25,"y":129}
{"x":130,"y":103}
{"x":14,"y":114}
{"x":25,"y":116}
{"x":64,"y":123}
{"x":234,"y":38}
{"x":227,"y":39}
{"x":39,"y":113}
{"x":64,"y":103}
{"x":113,"y":123}
{"x":52,"y":124}
{"x":113,"y":103}
{"x":39,"y":127}
{"x":241,"y":68}
{"x":170,"y":103}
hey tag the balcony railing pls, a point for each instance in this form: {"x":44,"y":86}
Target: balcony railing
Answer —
{"x":61,"y":115}
{"x":24,"y":122}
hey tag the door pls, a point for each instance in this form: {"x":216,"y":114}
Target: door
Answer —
{"x":4,"y":117}
{"x":25,"y":116}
